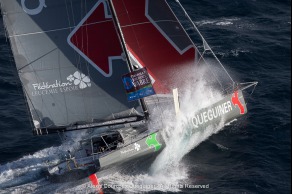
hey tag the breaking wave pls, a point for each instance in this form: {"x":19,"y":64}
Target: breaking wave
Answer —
{"x":221,"y":22}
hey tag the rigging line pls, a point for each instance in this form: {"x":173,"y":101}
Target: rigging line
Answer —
{"x":77,"y":57}
{"x":24,"y":90}
{"x":43,"y":101}
{"x":55,"y":30}
{"x":253,"y":90}
{"x":69,"y":22}
{"x":85,"y":40}
{"x":156,"y":21}
{"x":74,"y":23}
{"x":23,"y":95}
{"x":44,"y":105}
{"x":20,"y":43}
{"x":54,"y":99}
{"x":26,"y":99}
{"x":194,"y":25}
{"x":83,"y":34}
{"x":124,"y":47}
{"x":196,"y":48}
{"x":163,"y":114}
{"x":64,"y":95}
{"x":229,"y":89}
{"x":138,"y":42}
{"x":182,"y":26}
{"x":4,"y":23}
{"x":67,"y":10}
{"x":85,"y":6}
{"x":202,"y":58}
{"x":216,"y":77}
{"x":248,"y":85}
{"x":133,"y":30}
{"x":86,"y":63}
{"x":19,"y":70}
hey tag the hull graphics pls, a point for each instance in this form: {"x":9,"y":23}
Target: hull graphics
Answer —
{"x":221,"y":113}
{"x":226,"y":110}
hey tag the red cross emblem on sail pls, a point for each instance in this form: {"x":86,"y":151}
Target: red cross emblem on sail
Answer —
{"x":96,"y":40}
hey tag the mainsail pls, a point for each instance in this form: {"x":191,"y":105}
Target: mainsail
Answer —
{"x":155,"y":39}
{"x":70,"y":62}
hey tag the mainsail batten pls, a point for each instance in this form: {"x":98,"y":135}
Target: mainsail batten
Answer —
{"x":70,"y":71}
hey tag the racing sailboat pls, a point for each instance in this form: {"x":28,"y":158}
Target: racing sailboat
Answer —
{"x":103,"y":66}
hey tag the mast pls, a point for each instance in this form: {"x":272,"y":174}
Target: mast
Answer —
{"x":156,"y":40}
{"x":124,"y":47}
{"x":64,"y":79}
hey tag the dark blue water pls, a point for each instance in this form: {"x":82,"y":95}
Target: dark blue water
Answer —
{"x":253,"y":40}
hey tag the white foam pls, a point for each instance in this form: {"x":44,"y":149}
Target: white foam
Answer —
{"x":218,"y":22}
{"x":226,"y":23}
{"x":168,"y":170}
{"x":179,"y":137}
{"x":29,"y":168}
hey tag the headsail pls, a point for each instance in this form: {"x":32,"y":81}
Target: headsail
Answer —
{"x":155,"y":39}
{"x":69,"y":59}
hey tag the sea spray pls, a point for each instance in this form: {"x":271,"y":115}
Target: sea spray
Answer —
{"x":168,"y":172}
{"x":29,"y":168}
{"x":179,"y":136}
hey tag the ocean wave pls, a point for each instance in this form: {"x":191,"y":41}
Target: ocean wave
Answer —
{"x":234,"y":52}
{"x":218,"y":22}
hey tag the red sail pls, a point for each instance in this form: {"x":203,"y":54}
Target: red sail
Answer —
{"x":96,"y":40}
{"x":155,"y":39}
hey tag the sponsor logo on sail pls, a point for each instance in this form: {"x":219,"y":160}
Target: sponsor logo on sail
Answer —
{"x":74,"y":82}
{"x":35,"y":11}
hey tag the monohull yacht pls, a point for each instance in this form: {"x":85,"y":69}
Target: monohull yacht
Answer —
{"x":104,"y":66}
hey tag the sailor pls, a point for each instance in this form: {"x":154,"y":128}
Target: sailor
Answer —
{"x":101,"y":149}
{"x":59,"y":168}
{"x":69,"y":154}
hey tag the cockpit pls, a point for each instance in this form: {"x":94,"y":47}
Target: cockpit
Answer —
{"x":99,"y":145}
